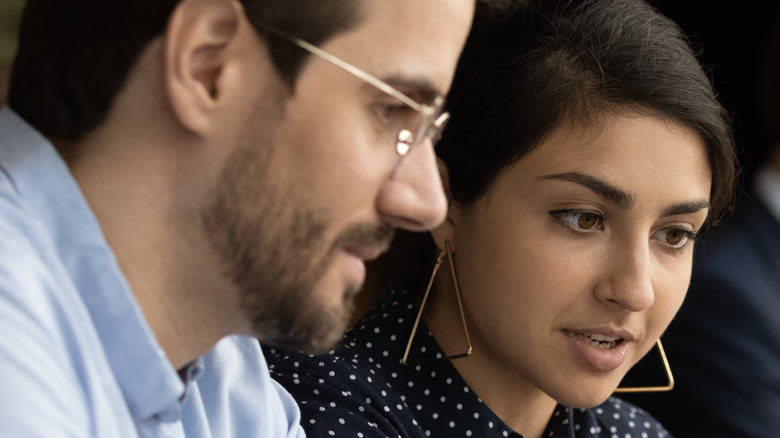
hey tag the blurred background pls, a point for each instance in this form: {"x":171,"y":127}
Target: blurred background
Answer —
{"x":732,"y":37}
{"x":9,"y":20}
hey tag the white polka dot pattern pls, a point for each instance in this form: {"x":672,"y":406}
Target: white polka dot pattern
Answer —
{"x":360,"y":389}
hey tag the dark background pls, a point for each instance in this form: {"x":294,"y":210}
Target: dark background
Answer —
{"x":732,"y":36}
{"x":9,"y":17}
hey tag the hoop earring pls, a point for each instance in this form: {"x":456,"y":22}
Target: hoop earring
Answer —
{"x":667,"y":369}
{"x":404,"y":360}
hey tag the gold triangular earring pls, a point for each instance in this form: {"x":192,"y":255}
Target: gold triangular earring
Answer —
{"x":667,"y":369}
{"x":439,"y":261}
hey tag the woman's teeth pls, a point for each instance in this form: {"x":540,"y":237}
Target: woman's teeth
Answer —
{"x":599,"y":341}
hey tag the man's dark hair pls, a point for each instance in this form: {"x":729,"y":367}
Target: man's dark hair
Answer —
{"x":75,"y":56}
{"x":558,"y":62}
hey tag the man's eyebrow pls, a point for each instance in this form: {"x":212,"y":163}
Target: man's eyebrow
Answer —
{"x":621,"y":198}
{"x":420,"y":90}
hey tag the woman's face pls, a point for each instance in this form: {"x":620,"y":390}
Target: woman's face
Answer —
{"x":580,"y":255}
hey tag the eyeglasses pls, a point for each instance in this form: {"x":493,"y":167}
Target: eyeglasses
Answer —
{"x":430,"y":120}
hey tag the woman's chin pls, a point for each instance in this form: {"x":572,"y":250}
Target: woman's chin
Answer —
{"x":585,"y":397}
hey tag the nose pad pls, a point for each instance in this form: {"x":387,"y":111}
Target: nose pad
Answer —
{"x":413,"y":197}
{"x":403,"y":145}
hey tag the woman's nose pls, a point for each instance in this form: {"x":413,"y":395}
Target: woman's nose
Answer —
{"x":628,"y":282}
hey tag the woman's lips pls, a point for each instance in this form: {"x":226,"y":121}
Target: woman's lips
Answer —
{"x":600,"y":350}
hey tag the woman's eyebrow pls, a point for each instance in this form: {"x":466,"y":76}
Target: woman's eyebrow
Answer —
{"x":621,"y":198}
{"x":687,"y":208}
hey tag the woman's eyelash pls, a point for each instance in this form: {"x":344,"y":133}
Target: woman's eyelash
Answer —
{"x":676,"y":248}
{"x":583,"y":223}
{"x":579,"y":222}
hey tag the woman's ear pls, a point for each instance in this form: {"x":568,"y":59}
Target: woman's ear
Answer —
{"x":446,"y":231}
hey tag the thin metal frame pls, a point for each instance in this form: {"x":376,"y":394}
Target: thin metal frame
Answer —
{"x":432,"y":115}
{"x":668,"y":387}
{"x":405,"y":359}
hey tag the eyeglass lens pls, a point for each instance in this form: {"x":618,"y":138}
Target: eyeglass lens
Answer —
{"x":429,"y":124}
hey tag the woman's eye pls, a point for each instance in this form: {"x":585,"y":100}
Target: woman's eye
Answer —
{"x":675,"y":238}
{"x":580,"y":221}
{"x":586,"y":221}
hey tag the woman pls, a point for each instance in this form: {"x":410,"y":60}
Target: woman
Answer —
{"x":586,"y":150}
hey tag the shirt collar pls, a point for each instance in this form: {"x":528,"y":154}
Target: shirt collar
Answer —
{"x":148,"y":381}
{"x":438,"y":376}
{"x":442,"y":379}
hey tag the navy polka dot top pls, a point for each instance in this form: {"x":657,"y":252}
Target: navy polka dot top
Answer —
{"x":360,"y":389}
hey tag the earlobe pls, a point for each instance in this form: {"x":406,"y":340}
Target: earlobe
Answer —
{"x":198,"y":38}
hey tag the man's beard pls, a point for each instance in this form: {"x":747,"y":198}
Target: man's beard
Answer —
{"x":271,"y":246}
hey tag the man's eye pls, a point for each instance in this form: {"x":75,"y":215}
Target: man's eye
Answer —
{"x":390,"y":113}
{"x":385,"y":112}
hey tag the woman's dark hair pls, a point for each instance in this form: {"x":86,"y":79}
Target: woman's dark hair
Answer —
{"x":74,"y":56}
{"x":558,"y":62}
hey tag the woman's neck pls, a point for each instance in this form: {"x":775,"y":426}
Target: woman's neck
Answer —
{"x":515,"y":400}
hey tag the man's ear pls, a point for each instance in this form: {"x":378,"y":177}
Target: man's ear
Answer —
{"x":446,"y":231}
{"x":198,"y":38}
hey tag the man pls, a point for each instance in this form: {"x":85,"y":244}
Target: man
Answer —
{"x":175,"y":173}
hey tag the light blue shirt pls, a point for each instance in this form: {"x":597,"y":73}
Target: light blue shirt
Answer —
{"x":77,"y":358}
